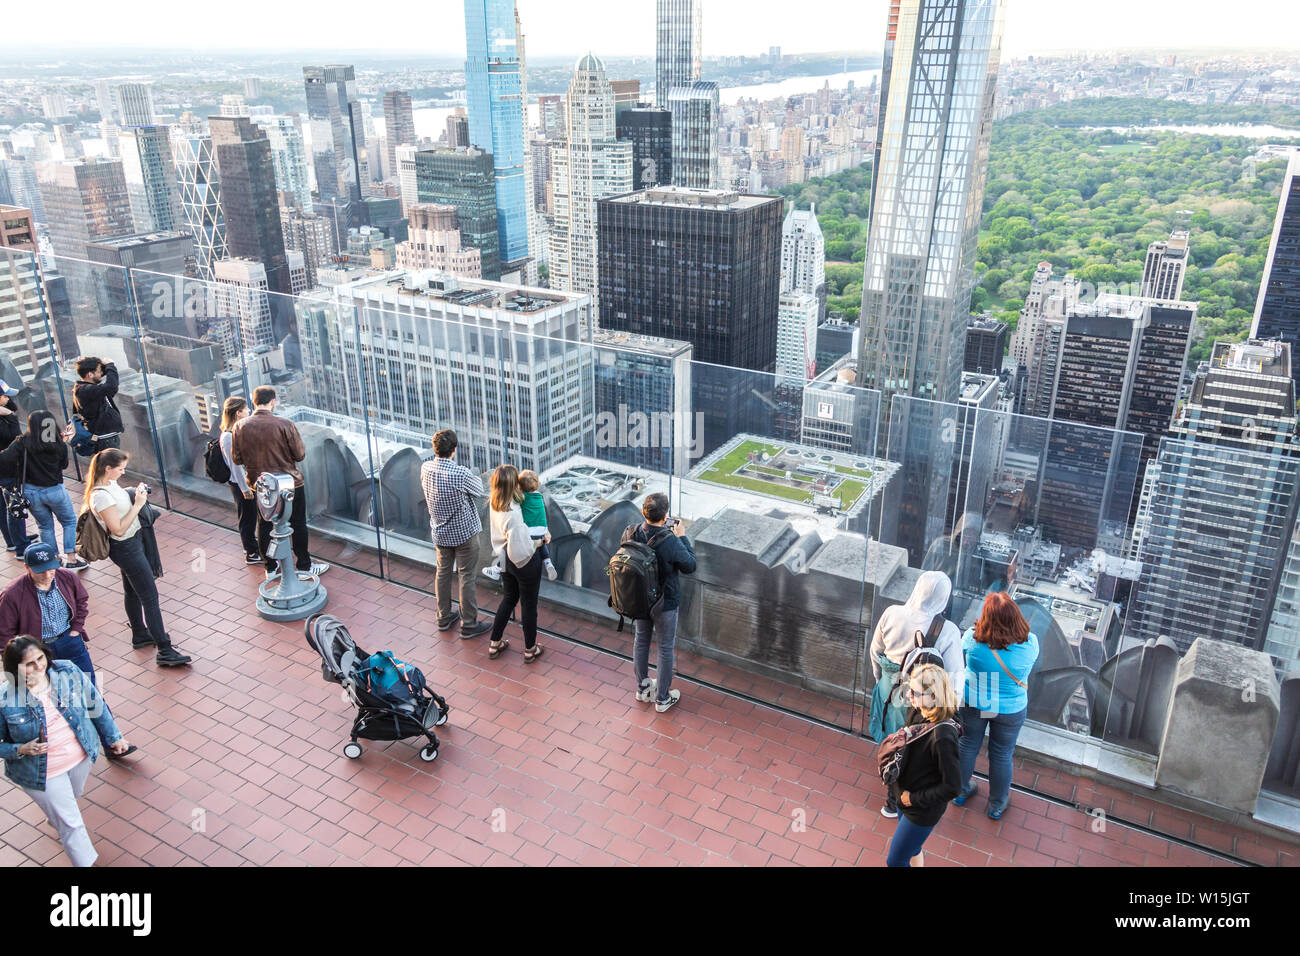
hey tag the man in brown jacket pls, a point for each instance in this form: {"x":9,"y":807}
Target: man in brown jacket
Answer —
{"x":265,"y":443}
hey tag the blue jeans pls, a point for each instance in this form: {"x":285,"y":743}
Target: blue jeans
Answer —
{"x":907,"y":841}
{"x":48,"y":504}
{"x":14,"y":529}
{"x":1003,"y":729}
{"x":664,"y":627}
{"x":65,"y":647}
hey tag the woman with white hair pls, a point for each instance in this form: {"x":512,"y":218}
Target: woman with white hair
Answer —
{"x":907,"y":635}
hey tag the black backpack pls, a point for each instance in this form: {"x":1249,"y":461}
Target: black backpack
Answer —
{"x":889,"y":758}
{"x":635,"y":588}
{"x":925,"y":643}
{"x":214,"y":462}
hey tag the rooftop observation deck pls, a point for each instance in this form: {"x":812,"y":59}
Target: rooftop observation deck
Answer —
{"x":240,"y":758}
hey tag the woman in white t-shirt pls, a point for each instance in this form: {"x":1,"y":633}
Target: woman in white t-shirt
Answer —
{"x":121,"y":519}
{"x":232,"y":413}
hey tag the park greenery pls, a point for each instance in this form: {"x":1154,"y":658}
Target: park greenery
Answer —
{"x":1090,"y":202}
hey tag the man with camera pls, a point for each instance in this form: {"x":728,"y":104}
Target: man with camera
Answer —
{"x":673,"y":549}
{"x":452,"y":493}
{"x":92,"y":399}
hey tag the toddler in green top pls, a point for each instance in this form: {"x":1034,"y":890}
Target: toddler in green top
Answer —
{"x":533,"y":509}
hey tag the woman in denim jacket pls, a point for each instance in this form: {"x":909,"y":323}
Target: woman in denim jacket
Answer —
{"x":52,"y":720}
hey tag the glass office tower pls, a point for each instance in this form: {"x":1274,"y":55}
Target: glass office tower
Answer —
{"x":1277,"y":311}
{"x":494,"y":87}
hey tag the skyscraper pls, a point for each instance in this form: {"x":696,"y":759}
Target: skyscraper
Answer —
{"x":796,"y":339}
{"x":399,"y":123}
{"x":464,"y":335}
{"x":702,"y":267}
{"x":289,"y":157}
{"x":200,"y":198}
{"x":803,"y":256}
{"x":464,"y":178}
{"x":150,"y":178}
{"x":457,"y":130}
{"x":313,"y":236}
{"x":434,"y":243}
{"x":1166,"y":267}
{"x":494,"y":87}
{"x":940,"y":73}
{"x":986,"y":346}
{"x":695,"y":110}
{"x":550,"y":111}
{"x":24,"y":336}
{"x":248,"y":201}
{"x":1277,"y":310}
{"x":678,"y":58}
{"x":135,"y":104}
{"x":650,"y":131}
{"x":84,"y":199}
{"x":590,"y":165}
{"x":1224,"y":502}
{"x":338,"y":134}
{"x":244,"y":311}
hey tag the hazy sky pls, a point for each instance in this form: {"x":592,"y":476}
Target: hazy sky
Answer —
{"x":626,"y":27}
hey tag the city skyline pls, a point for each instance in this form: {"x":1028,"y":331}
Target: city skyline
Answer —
{"x":730,"y":28}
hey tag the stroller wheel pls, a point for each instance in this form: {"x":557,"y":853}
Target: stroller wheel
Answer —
{"x":352,"y":750}
{"x":429,"y":754}
{"x":442,"y":719}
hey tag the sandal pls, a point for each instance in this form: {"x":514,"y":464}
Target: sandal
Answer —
{"x":495,"y":649}
{"x":536,"y":653}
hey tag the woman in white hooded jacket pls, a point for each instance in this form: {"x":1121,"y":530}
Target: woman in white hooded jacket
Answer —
{"x":522,"y":568}
{"x":900,"y":634}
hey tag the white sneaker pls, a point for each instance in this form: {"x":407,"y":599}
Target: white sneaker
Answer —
{"x":273,"y":575}
{"x":551,"y":573}
{"x":673,"y":697}
{"x":647,"y":693}
{"x":493,"y":572}
{"x":316,"y":570}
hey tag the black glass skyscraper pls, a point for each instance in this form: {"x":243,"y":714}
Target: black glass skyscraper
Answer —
{"x":250,"y":206}
{"x":703,"y":267}
{"x":1277,"y":312}
{"x":650,"y":131}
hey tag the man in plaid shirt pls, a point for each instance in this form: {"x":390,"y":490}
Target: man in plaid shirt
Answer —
{"x":452,"y":493}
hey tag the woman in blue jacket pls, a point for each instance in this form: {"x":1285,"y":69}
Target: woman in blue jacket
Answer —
{"x":1000,"y":653}
{"x":52,"y":721}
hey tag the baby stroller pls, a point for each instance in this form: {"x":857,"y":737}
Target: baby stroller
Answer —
{"x":392,"y":699}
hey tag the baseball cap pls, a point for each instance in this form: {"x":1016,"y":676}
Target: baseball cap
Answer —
{"x":41,"y":557}
{"x":8,"y":389}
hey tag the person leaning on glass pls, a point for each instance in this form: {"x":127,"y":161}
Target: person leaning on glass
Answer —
{"x":1000,"y":654}
{"x":52,"y":721}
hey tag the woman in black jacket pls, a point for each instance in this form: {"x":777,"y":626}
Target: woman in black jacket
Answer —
{"x":37,"y":460}
{"x":931,"y":772}
{"x":11,"y":429}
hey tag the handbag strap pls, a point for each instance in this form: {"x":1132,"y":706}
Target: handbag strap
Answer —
{"x":997,"y":657}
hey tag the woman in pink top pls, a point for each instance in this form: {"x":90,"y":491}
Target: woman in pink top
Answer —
{"x":52,"y":721}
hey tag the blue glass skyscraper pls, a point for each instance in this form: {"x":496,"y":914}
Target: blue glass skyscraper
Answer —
{"x":494,"y":84}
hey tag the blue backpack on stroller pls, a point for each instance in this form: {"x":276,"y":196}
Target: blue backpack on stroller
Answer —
{"x":393,"y":700}
{"x":385,"y":676}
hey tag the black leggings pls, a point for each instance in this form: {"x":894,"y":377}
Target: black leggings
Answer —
{"x":139,"y":592}
{"x":246,"y":509}
{"x":520,"y":585}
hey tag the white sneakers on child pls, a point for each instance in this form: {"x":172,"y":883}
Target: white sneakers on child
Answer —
{"x":551,"y":573}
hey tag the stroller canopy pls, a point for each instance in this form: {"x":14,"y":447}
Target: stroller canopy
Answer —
{"x":330,"y":638}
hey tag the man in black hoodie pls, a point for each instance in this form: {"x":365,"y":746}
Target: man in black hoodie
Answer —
{"x":675,"y":554}
{"x":92,"y":399}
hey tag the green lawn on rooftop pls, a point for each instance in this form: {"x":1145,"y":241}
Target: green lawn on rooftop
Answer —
{"x":723,"y":472}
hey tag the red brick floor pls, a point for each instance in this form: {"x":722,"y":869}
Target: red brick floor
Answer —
{"x":551,"y":763}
